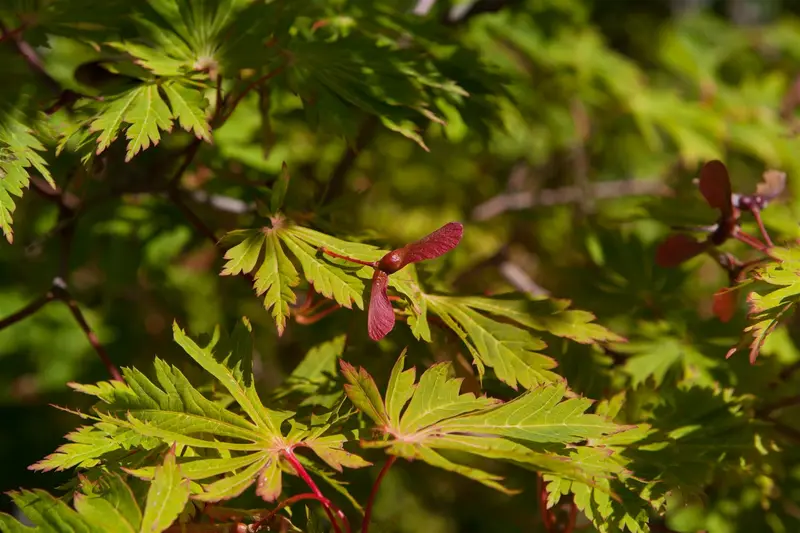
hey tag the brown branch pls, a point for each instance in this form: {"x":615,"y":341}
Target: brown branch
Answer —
{"x":61,"y":292}
{"x":225,"y":204}
{"x":786,"y":429}
{"x":580,"y":159}
{"x":567,"y":195}
{"x":770,"y":408}
{"x":27,"y":311}
{"x":336,"y":183}
{"x":787,"y":372}
{"x":189,"y":154}
{"x":192,"y":218}
{"x":30,"y":56}
{"x":250,"y":87}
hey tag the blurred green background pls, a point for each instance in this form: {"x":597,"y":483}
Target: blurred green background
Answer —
{"x":605,"y":109}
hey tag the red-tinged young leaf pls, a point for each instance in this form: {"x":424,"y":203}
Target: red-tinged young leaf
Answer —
{"x":364,"y":394}
{"x":678,"y":248}
{"x":380,"y":318}
{"x":715,"y":185}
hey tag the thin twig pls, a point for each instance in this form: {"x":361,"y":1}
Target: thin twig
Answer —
{"x":10,"y":34}
{"x":787,"y":430}
{"x":27,"y":311}
{"x":328,"y":505}
{"x":219,"y":202}
{"x":193,"y":219}
{"x":580,"y":160}
{"x":335,"y":185}
{"x":769,"y":408}
{"x":256,"y":526}
{"x":787,"y":372}
{"x":761,"y":227}
{"x":55,"y":195}
{"x":374,"y":492}
{"x":31,"y":57}
{"x":250,"y":87}
{"x":755,"y":243}
{"x":518,"y":201}
{"x":62,"y":293}
{"x":189,"y":153}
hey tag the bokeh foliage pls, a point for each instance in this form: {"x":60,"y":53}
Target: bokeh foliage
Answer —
{"x":536,"y":123}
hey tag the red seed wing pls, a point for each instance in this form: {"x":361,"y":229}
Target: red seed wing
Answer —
{"x":724,"y":304}
{"x":716,"y":186}
{"x":772,"y":184}
{"x":678,"y":248}
{"x":437,"y":243}
{"x":380,"y":318}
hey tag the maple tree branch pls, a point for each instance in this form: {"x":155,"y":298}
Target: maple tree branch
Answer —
{"x":30,"y":56}
{"x":256,"y":526}
{"x":769,"y":408}
{"x":192,"y":218}
{"x":329,"y":506}
{"x":785,"y":429}
{"x":61,"y":292}
{"x":189,"y":154}
{"x":27,"y":311}
{"x":374,"y":492}
{"x":787,"y":372}
{"x":54,"y":195}
{"x":335,"y":185}
{"x":754,"y":243}
{"x":266,"y":77}
{"x":570,"y":194}
{"x":757,"y":215}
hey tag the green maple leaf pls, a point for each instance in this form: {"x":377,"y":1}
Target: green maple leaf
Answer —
{"x":316,"y":267}
{"x":512,"y":352}
{"x":767,"y":308}
{"x":188,"y":109}
{"x":276,"y":275}
{"x":313,"y":379}
{"x":228,"y":451}
{"x":265,"y":253}
{"x":18,"y":156}
{"x":184,"y":36}
{"x":147,"y":115}
{"x":106,"y":505}
{"x":612,"y":505}
{"x":143,"y":114}
{"x":422,"y":420}
{"x":546,"y":314}
{"x":507,"y":346}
